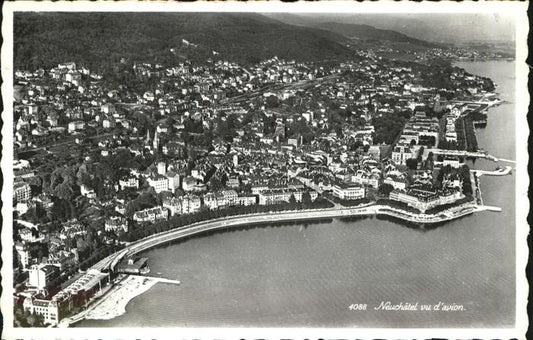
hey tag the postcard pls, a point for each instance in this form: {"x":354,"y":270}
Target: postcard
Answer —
{"x":264,"y":170}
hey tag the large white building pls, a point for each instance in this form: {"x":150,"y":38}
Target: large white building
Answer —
{"x":401,"y":153}
{"x":182,"y":205}
{"x":24,"y":255}
{"x":396,"y":182}
{"x":247,"y":200}
{"x":348,"y":191}
{"x":174,"y":181}
{"x":226,"y":198}
{"x":281,"y":195}
{"x":40,"y":276}
{"x":75,"y":126}
{"x":425,"y":199}
{"x":191,"y":184}
{"x":150,"y":215}
{"x":366,"y":178}
{"x":116,"y":223}
{"x":158,"y":182}
{"x":48,"y":309}
{"x":21,"y":191}
{"x":128,"y":182}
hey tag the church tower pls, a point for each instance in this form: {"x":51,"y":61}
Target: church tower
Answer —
{"x":156,"y":141}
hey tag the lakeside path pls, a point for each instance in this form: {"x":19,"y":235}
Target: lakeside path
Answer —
{"x":133,"y":248}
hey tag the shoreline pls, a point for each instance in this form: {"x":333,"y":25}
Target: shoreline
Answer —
{"x":282,"y":216}
{"x":114,"y":302}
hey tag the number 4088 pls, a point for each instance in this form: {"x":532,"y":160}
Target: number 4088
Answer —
{"x":357,"y":306}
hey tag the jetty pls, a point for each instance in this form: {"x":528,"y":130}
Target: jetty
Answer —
{"x":159,"y":279}
{"x":498,"y":172}
{"x":487,"y":208}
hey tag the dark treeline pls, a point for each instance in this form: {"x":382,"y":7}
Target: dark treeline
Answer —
{"x":143,"y":230}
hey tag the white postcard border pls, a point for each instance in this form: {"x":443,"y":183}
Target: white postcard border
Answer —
{"x":522,"y":157}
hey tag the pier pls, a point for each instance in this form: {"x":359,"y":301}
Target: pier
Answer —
{"x":464,"y":153}
{"x":504,"y":160}
{"x":499,"y":172}
{"x":488,"y":208}
{"x":159,"y":279}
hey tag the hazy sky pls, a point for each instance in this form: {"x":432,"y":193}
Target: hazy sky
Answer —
{"x":442,"y":27}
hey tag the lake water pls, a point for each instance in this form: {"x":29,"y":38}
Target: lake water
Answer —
{"x":295,"y":276}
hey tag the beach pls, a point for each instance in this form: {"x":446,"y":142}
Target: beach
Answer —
{"x":115,"y":301}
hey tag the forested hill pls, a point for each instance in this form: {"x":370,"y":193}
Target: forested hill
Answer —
{"x":366,"y":32}
{"x":97,"y":39}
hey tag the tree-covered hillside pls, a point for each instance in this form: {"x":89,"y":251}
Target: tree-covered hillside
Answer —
{"x":366,"y":32}
{"x":96,"y":39}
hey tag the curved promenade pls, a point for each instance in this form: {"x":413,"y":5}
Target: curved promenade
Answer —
{"x":110,"y":262}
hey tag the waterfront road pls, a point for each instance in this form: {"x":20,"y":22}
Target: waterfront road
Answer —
{"x":110,"y":262}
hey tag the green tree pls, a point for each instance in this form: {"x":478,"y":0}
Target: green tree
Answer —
{"x":385,"y":189}
{"x":292,"y":200}
{"x":272,"y":102}
{"x":306,"y":198}
{"x":411,"y":163}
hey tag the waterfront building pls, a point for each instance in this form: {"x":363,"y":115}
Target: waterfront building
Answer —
{"x":230,"y":197}
{"x":134,"y":266}
{"x":210,"y":201}
{"x":282,"y":195}
{"x":425,"y":199}
{"x":150,"y":215}
{"x":453,"y":161}
{"x":48,"y":309}
{"x":247,"y":200}
{"x":40,"y":276}
{"x":182,"y":205}
{"x":190,"y":204}
{"x":348,"y":191}
{"x":77,"y":293}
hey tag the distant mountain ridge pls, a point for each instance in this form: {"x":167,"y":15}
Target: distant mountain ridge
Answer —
{"x":45,"y":39}
{"x":367,"y":32}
